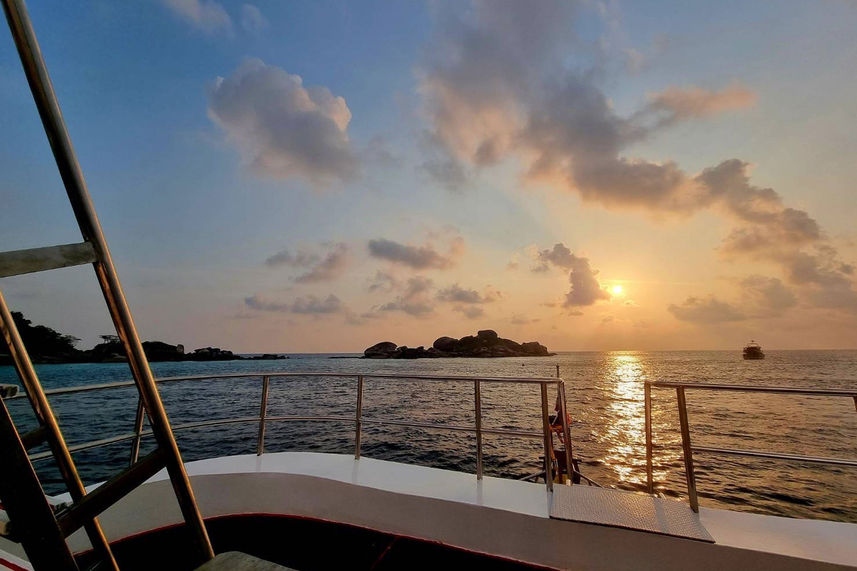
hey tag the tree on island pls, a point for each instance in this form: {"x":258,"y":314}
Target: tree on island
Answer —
{"x":44,"y":345}
{"x":42,"y":342}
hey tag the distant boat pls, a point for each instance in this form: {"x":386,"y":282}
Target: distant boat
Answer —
{"x":753,"y":351}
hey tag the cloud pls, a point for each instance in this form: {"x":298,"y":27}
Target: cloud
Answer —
{"x":470,"y":312}
{"x":457,"y":294}
{"x":520,"y":319}
{"x":331,"y":267}
{"x":510,"y":83}
{"x":709,"y":310}
{"x":416,"y":298}
{"x":685,"y":103}
{"x":299,"y":259}
{"x":383,"y":281}
{"x":496,"y":84}
{"x":418,"y":257}
{"x":282,"y":128}
{"x":585,"y":289}
{"x":252,"y":20}
{"x":327,"y":268}
{"x":309,"y":305}
{"x":259,"y":304}
{"x":770,"y":231}
{"x":205,"y":15}
{"x":766,"y":296}
{"x":560,"y":256}
{"x":760,"y":297}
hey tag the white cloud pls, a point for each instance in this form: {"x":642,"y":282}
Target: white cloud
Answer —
{"x":282,"y":128}
{"x":502,"y":81}
{"x":206,"y":15}
{"x":252,"y":20}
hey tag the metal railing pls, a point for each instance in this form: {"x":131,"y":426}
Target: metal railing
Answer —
{"x":358,"y":419}
{"x":688,"y":449}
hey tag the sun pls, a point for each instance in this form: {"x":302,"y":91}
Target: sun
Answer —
{"x":617,"y":289}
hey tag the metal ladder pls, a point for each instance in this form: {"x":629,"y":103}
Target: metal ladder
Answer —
{"x":40,"y":528}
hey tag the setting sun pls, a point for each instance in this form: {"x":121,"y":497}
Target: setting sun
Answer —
{"x":617,"y":290}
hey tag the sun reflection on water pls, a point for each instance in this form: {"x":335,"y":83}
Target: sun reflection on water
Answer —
{"x":626,"y":431}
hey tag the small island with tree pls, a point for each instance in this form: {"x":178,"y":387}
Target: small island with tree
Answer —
{"x":46,"y":346}
{"x":485,"y":343}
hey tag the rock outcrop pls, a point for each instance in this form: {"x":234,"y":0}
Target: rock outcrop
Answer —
{"x":485,"y":343}
{"x":382,"y":350}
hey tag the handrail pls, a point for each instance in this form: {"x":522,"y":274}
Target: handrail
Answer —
{"x":688,"y":449}
{"x":756,"y":388}
{"x":358,"y":419}
{"x":451,"y":378}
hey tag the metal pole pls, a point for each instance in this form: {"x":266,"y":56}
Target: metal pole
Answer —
{"x":90,"y":228}
{"x":688,"y":451}
{"x":566,"y":433}
{"x":358,"y":418}
{"x":138,"y":433}
{"x":477,"y":397}
{"x":546,"y":429}
{"x":45,"y":416}
{"x":263,"y":412}
{"x":647,"y":398}
{"x":27,"y":506}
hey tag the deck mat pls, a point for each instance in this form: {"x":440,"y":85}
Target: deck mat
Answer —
{"x":616,"y":508}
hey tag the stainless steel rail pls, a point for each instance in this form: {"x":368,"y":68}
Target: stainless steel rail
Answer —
{"x":359,"y":420}
{"x":688,"y":449}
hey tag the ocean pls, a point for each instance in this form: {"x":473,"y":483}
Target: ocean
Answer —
{"x":605,"y":399}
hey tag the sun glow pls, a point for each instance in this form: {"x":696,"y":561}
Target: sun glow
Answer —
{"x":617,"y":290}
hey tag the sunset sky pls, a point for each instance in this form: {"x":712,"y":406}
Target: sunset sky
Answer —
{"x":321,"y":176}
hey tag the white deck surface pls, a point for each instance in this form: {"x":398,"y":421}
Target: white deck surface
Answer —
{"x":447,"y":507}
{"x":818,"y":540}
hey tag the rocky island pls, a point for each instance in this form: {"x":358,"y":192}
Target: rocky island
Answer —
{"x":46,"y":346}
{"x":485,"y":343}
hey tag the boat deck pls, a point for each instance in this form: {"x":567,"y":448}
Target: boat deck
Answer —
{"x":426,"y":511}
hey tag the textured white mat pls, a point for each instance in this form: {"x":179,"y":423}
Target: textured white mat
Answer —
{"x":625,"y":509}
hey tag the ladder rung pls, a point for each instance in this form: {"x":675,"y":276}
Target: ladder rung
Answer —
{"x":34,"y":437}
{"x":19,"y":262}
{"x":110,"y":492}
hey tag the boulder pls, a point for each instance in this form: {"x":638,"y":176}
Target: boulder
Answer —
{"x":383,"y":350}
{"x":445,"y":344}
{"x":404,"y":352}
{"x":534,"y":348}
{"x":488,"y":336}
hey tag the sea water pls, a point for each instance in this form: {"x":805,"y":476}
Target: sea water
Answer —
{"x":605,"y":399}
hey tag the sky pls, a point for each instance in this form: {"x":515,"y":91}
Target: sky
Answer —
{"x":322,"y":176}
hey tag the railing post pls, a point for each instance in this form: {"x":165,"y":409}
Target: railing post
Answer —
{"x":566,"y":431}
{"x":477,"y":397}
{"x":358,"y":418}
{"x":546,"y":429}
{"x":263,"y":412}
{"x":688,"y":450}
{"x":138,"y":432}
{"x":647,"y":398}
